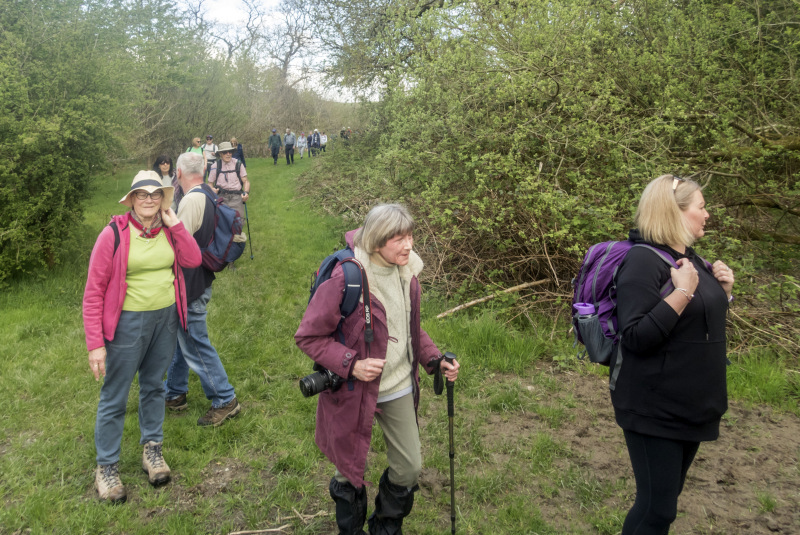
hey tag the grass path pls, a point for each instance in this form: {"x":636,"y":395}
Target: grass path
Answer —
{"x":537,"y":450}
{"x":46,"y":437}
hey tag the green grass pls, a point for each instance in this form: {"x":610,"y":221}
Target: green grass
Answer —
{"x":262,"y":469}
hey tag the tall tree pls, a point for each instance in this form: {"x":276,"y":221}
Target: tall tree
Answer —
{"x":58,"y":112}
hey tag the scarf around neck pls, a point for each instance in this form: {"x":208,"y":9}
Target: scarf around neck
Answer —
{"x":146,"y":232}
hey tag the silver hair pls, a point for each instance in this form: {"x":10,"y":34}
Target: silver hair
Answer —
{"x":383,"y":222}
{"x":190,"y":163}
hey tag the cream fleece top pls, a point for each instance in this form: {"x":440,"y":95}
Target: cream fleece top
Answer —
{"x":391,"y":285}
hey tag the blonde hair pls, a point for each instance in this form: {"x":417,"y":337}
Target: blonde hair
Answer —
{"x":234,"y":141}
{"x":659,"y":215}
{"x":383,"y":222}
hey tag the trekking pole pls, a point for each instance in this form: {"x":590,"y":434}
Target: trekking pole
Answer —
{"x":249,"y":235}
{"x":437,"y":388}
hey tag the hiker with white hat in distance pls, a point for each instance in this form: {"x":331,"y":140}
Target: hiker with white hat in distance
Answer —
{"x":228,"y":178}
{"x":315,"y":143}
{"x":134,"y":300}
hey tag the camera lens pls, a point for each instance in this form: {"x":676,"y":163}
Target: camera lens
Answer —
{"x":313,"y":384}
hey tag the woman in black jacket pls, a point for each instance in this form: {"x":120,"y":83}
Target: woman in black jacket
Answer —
{"x":671,"y":390}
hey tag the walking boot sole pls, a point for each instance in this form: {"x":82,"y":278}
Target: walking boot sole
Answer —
{"x":157,"y":482}
{"x":114,"y":501}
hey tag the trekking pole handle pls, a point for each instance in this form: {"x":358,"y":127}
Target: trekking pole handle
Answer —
{"x":449,"y":358}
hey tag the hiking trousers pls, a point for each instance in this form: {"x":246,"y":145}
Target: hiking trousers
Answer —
{"x":143,"y":343}
{"x":398,"y":422}
{"x":659,"y":466}
{"x":194,"y":351}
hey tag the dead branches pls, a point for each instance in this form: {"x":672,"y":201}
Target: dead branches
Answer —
{"x":492,"y":296}
{"x":281,"y":529}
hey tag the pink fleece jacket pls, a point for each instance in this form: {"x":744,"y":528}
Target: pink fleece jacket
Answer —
{"x":106,"y":287}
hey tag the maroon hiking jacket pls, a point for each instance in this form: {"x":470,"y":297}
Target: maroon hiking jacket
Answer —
{"x":344,"y":417}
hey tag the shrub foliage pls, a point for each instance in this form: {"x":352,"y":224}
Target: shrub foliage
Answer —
{"x":524,"y":131}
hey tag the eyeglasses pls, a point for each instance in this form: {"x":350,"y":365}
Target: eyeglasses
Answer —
{"x":142,"y":195}
{"x":675,"y":181}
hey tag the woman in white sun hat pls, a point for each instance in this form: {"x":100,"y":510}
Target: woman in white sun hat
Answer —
{"x":134,"y":300}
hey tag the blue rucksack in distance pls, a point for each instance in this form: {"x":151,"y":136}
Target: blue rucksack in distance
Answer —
{"x":227,"y":224}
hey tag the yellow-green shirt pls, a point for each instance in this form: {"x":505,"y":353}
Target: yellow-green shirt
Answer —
{"x":149,"y":277}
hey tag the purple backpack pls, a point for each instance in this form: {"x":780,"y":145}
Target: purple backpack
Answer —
{"x":596,"y":285}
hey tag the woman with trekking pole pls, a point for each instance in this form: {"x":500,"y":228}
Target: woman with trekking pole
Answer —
{"x":671,"y":391}
{"x":133,"y":304}
{"x":375,"y":354}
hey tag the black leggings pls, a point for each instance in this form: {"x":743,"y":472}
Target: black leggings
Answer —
{"x":659,"y":466}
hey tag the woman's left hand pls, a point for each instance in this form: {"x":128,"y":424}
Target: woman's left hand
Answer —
{"x":169,"y":218}
{"x":450,"y":370}
{"x":724,"y":275}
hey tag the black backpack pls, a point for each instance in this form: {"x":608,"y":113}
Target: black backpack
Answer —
{"x":355,"y":281}
{"x":237,"y":168}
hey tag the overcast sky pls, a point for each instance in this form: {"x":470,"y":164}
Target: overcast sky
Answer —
{"x":230,"y":11}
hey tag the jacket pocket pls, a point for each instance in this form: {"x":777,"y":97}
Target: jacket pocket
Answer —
{"x":353,"y":328}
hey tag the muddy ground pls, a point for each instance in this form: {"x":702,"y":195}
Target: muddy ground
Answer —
{"x":746,"y":482}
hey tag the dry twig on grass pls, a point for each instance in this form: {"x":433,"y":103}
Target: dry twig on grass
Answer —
{"x":253,"y":532}
{"x":492,"y":296}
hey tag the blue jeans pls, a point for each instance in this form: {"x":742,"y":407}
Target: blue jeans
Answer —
{"x":143,"y":343}
{"x":194,"y":350}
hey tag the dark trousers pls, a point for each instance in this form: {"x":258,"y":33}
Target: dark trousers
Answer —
{"x":659,"y":466}
{"x":289,"y":150}
{"x":275,"y":151}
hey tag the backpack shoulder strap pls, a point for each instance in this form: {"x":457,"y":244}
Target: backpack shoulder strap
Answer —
{"x":213,"y":198}
{"x":352,"y":287}
{"x":666,"y":257}
{"x":219,"y":168}
{"x":667,"y":288}
{"x":238,"y":173}
{"x":352,"y":281}
{"x":116,"y":235}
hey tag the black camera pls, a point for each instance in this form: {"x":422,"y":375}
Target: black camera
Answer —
{"x":321,"y":379}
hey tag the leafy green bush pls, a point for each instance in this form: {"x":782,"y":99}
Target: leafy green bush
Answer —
{"x":523,"y":132}
{"x":55,"y":117}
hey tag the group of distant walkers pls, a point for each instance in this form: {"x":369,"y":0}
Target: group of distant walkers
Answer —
{"x":315,"y":142}
{"x":145,"y":307}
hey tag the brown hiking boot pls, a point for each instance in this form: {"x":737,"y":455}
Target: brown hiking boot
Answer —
{"x":216,"y":417}
{"x":178,"y":404}
{"x":108,"y":484}
{"x":154,"y":465}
